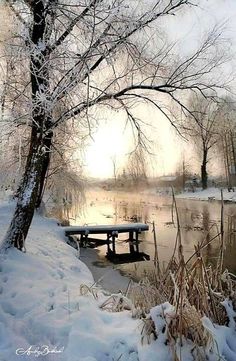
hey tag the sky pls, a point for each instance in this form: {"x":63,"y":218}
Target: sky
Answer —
{"x":111,"y":139}
{"x":115,"y":140}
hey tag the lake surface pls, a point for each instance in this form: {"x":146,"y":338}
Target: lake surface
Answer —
{"x":199,"y":220}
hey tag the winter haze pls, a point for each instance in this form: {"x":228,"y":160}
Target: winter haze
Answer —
{"x":112,"y":138}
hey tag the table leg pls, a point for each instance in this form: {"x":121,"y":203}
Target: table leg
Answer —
{"x":136,"y":240}
{"x":108,"y":244}
{"x":131,"y":239}
{"x":113,"y":243}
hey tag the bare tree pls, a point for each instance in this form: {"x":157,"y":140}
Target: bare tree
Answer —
{"x":115,"y":168}
{"x":202,"y":129}
{"x":227,"y":145}
{"x":182,"y":171}
{"x":94,"y":53}
{"x":137,"y":165}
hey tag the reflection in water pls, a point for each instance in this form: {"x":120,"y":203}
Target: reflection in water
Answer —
{"x":200,"y":221}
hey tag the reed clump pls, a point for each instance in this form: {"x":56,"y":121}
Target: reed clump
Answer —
{"x":193,"y":289}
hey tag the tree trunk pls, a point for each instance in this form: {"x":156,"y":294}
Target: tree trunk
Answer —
{"x":232,"y":139}
{"x":227,"y":159}
{"x":41,"y":136}
{"x":25,"y":206}
{"x":204,"y":176}
{"x":45,"y":166}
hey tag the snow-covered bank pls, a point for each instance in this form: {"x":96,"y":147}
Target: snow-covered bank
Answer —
{"x":41,"y":303}
{"x":43,"y":309}
{"x":209,"y":194}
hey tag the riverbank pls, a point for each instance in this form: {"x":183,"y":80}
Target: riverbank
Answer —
{"x":209,"y":194}
{"x":50,"y":306}
{"x":48,"y":297}
{"x":105,"y":274}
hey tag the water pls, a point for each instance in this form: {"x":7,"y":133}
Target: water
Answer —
{"x":200,"y":220}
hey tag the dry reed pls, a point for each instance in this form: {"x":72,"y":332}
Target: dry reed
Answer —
{"x":192,"y":287}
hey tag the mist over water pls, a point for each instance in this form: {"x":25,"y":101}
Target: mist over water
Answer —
{"x":199,"y":221}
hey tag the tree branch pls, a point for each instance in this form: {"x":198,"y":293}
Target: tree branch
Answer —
{"x":70,"y":28}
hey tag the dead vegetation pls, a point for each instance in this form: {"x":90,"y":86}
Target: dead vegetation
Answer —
{"x":193,"y":289}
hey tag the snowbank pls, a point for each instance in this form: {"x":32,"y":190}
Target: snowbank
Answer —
{"x":41,"y":303}
{"x":209,"y":195}
{"x":44,"y":314}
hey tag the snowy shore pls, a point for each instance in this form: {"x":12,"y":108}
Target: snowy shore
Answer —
{"x":41,"y":303}
{"x":50,"y":310}
{"x":209,"y":194}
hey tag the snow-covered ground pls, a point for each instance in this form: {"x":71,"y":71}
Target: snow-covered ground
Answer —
{"x":49,"y":309}
{"x":209,"y":194}
{"x":41,"y":303}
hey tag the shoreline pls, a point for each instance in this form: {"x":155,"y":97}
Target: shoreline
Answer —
{"x":106,"y":276}
{"x":210,"y":195}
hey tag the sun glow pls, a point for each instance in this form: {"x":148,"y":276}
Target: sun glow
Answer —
{"x":113,"y":140}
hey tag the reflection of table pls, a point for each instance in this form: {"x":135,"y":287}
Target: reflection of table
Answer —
{"x":112,"y":232}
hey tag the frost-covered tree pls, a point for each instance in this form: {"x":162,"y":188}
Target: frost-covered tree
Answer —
{"x":13,"y":151}
{"x":91,"y":53}
{"x":64,"y":184}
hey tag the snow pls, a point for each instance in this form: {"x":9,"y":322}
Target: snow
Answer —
{"x":50,"y":307}
{"x":167,"y":178}
{"x":209,"y":194}
{"x":106,"y":228}
{"x":41,"y":303}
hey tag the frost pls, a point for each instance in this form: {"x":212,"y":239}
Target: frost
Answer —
{"x":41,"y":45}
{"x":27,"y":193}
